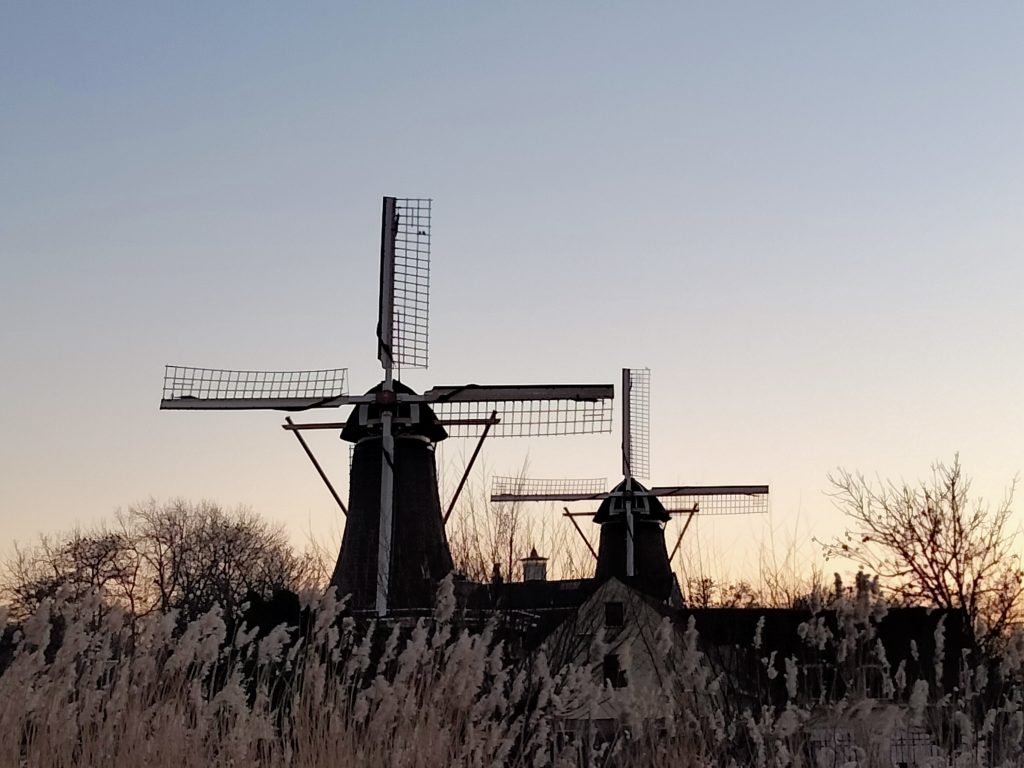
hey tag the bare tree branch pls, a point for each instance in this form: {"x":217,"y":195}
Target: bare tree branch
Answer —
{"x":933,"y":544}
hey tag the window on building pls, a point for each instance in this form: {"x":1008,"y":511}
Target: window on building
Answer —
{"x":614,"y":614}
{"x":613,"y":671}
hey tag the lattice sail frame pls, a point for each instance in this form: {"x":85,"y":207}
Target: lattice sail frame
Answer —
{"x":525,"y":418}
{"x":528,"y":486}
{"x":411,"y":297}
{"x":738,"y":504}
{"x":217,"y":384}
{"x":640,"y":422}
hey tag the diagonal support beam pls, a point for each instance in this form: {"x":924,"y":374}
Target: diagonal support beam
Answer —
{"x":572,"y":519}
{"x":290,"y":426}
{"x":469,"y":467}
{"x":682,"y":533}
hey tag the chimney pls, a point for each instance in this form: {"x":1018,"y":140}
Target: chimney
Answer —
{"x":535,"y":568}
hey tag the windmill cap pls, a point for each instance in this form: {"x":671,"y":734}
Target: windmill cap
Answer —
{"x":427,"y":425}
{"x":647,"y":507}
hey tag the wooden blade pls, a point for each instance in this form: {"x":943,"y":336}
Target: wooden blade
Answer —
{"x":708,"y":490}
{"x":385,"y":309}
{"x":517,"y":392}
{"x":523,"y":410}
{"x":402,"y":319}
{"x":532,"y":489}
{"x":548,"y":496}
{"x":715,"y":500}
{"x":636,"y":423}
{"x":253,"y":404}
{"x":188,"y":388}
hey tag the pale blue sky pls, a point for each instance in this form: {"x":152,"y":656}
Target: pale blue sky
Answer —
{"x":805,"y":218}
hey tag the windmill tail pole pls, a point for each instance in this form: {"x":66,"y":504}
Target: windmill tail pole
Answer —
{"x":319,"y":469}
{"x":472,"y":459}
{"x":580,"y":532}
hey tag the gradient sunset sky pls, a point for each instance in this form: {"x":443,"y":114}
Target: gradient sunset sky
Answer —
{"x":805,"y":218}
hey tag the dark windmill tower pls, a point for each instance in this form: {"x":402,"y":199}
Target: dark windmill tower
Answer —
{"x":631,"y":515}
{"x":394,"y":549}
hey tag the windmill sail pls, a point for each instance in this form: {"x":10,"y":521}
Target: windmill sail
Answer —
{"x":532,"y":489}
{"x":636,"y":420}
{"x":715,"y":499}
{"x":402,"y":320}
{"x":524,"y":410}
{"x":188,"y":388}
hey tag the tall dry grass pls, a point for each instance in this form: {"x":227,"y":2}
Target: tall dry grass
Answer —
{"x":81,"y":689}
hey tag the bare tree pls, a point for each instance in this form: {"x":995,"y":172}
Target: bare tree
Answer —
{"x":934,"y":544}
{"x":789,"y":577}
{"x":705,"y":592}
{"x":786,"y":577}
{"x":162,"y":556}
{"x":77,"y":562}
{"x":482,"y":534}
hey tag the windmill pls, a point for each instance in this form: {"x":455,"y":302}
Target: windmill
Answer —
{"x":632,"y":516}
{"x":394,"y":549}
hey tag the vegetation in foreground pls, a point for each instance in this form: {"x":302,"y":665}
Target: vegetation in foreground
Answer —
{"x":127,"y":648}
{"x":85,"y":686}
